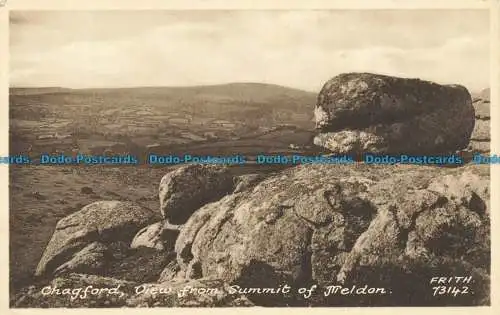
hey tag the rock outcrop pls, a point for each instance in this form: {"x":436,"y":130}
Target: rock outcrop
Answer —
{"x":222,"y":238}
{"x":330,"y":224}
{"x":84,"y":235}
{"x":376,"y":225}
{"x":481,"y":135}
{"x":91,"y":259}
{"x":369,"y":113}
{"x":157,"y":236}
{"x":189,"y":187}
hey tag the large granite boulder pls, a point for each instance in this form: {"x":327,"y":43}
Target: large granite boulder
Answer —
{"x":83,"y":236}
{"x":383,"y":114}
{"x":385,"y":226}
{"x":191,"y":186}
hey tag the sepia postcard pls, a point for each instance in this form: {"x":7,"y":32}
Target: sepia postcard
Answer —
{"x":333,"y":155}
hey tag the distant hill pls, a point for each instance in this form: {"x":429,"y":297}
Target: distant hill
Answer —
{"x":254,"y":104}
{"x":35,"y":91}
{"x":165,"y":115}
{"x":253,"y":92}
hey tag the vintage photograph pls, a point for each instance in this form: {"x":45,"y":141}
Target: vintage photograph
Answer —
{"x":249,"y":158}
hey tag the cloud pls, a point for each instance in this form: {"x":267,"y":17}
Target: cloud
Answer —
{"x":300,"y":49}
{"x":462,"y":60}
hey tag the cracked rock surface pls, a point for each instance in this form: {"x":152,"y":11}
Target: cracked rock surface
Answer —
{"x":344,"y":224}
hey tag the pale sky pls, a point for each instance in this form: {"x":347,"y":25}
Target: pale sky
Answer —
{"x":300,"y":49}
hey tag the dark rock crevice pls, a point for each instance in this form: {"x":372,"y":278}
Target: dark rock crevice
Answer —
{"x":66,"y":226}
{"x":306,"y":267}
{"x":313,"y":225}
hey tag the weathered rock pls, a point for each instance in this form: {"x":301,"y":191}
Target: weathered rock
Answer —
{"x":90,"y":259}
{"x":140,"y":265}
{"x":149,"y":236}
{"x":172,"y":271}
{"x":346,"y":224}
{"x":393,"y":115}
{"x":351,"y":141}
{"x":103,"y":221}
{"x":481,"y":135}
{"x":156,"y":236}
{"x":482,"y":110}
{"x":244,"y":182}
{"x":481,"y":131}
{"x":120,"y":293}
{"x":480,"y":146}
{"x":189,"y":187}
{"x":467,"y":189}
{"x":366,"y":99}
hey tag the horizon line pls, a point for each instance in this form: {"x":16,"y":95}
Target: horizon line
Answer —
{"x":158,"y":86}
{"x":186,"y":86}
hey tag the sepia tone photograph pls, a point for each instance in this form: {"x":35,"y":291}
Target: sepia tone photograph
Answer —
{"x":249,"y":158}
